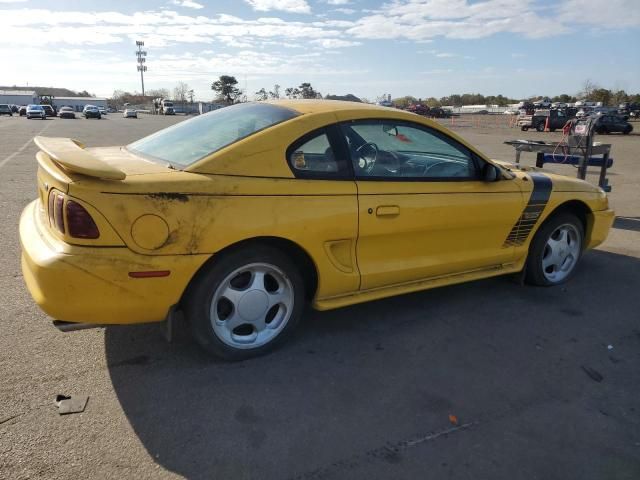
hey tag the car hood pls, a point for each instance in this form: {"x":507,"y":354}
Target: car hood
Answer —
{"x":560,"y":182}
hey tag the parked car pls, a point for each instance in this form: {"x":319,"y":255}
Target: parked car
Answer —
{"x":66,"y":112}
{"x":5,"y":110}
{"x":130,"y":113}
{"x":49,"y":110}
{"x":14,"y":108}
{"x":438,"y":112}
{"x":612,"y":124}
{"x":103,"y":111}
{"x":556,"y":118}
{"x":542,"y":103}
{"x":584,"y":111}
{"x":189,"y":220}
{"x":91,"y":111}
{"x":22,"y":111}
{"x":418,"y":109}
{"x":35,"y":111}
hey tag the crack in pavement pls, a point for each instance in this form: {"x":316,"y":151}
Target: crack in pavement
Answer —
{"x":389,"y":453}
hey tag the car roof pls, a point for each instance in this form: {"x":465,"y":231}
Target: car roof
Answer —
{"x":239,"y":159}
{"x":323,"y":106}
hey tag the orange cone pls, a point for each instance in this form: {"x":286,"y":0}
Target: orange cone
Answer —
{"x":546,"y":125}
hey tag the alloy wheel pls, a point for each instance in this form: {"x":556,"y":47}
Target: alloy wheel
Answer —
{"x":252,"y":305}
{"x":561,"y":253}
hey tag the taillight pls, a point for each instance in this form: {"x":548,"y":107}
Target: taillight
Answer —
{"x":79,"y":222}
{"x":59,"y":215}
{"x":52,"y":198}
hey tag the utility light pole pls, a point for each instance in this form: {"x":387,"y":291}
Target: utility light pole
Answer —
{"x":141,"y":54}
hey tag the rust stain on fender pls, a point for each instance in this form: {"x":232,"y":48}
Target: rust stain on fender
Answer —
{"x":180,"y":197}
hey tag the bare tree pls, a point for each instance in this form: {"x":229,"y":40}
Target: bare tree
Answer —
{"x":180,"y":93}
{"x":261,"y":95}
{"x":588,"y":88}
{"x":275,"y":93}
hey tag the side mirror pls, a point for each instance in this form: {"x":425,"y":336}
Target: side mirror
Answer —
{"x":390,"y":130}
{"x":490,"y":173}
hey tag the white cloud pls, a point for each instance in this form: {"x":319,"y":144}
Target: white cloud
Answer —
{"x":187,"y":4}
{"x":338,"y":2}
{"x":346,"y":11}
{"x":437,"y":71}
{"x":334,"y":43}
{"x":13,"y":1}
{"x":292,"y":6}
{"x":611,"y":14}
{"x":460,"y":19}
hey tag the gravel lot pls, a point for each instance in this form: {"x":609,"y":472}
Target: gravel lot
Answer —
{"x":363,"y":392}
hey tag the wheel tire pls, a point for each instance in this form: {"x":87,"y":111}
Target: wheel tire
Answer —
{"x":541,"y":249}
{"x":627,"y":131}
{"x":540,"y":127}
{"x":524,"y":129}
{"x":217,"y":277}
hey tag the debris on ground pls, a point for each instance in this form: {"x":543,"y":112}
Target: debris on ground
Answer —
{"x":593,"y":374}
{"x":453,"y":419}
{"x":609,"y":347}
{"x":75,"y":404}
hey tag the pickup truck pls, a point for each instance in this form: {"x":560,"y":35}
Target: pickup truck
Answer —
{"x":557,"y":119}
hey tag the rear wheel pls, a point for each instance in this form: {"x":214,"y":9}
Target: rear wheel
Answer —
{"x":245,"y":303}
{"x":627,"y":130}
{"x":524,"y":129}
{"x":555,"y":250}
{"x":540,"y":127}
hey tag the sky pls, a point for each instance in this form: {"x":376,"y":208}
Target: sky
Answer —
{"x":424,"y":48}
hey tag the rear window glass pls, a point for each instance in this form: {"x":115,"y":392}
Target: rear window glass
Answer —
{"x":189,"y":141}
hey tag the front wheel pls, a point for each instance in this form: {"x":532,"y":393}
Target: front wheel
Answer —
{"x":555,"y":250}
{"x":524,"y":129}
{"x":245,"y":303}
{"x":540,"y":127}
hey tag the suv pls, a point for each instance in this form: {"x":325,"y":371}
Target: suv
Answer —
{"x":557,"y":119}
{"x":36,"y":111}
{"x":91,"y":111}
{"x":5,"y":110}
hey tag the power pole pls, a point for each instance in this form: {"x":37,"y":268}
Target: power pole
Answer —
{"x":141,"y":54}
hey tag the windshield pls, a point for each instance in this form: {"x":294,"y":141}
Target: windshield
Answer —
{"x":191,"y":140}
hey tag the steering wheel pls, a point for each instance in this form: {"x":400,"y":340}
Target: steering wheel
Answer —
{"x":367,"y":162}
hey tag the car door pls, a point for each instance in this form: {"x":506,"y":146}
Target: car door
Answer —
{"x":423,"y":210}
{"x":329,"y":207}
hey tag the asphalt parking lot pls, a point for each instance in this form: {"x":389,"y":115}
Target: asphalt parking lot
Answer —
{"x":544,"y":383}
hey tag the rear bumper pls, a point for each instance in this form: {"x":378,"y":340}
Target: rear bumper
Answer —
{"x":599,"y":226}
{"x":92,"y":285}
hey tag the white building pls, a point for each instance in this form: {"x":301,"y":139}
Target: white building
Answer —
{"x":78,"y":103}
{"x":18,"y":97}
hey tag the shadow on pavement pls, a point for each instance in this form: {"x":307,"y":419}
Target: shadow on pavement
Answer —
{"x":365,"y":391}
{"x":627,"y":223}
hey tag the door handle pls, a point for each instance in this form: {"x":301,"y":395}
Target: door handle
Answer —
{"x":387,"y":210}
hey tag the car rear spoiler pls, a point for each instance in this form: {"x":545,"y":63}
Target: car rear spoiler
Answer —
{"x":71,"y":155}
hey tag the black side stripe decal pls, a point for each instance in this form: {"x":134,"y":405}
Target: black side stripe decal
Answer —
{"x":532,"y":211}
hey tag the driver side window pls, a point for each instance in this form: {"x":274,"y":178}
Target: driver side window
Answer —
{"x":396,"y":150}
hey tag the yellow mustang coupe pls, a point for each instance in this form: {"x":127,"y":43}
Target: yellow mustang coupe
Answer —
{"x":240,"y":217}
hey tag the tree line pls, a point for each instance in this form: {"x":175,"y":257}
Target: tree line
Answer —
{"x":226,"y":91}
